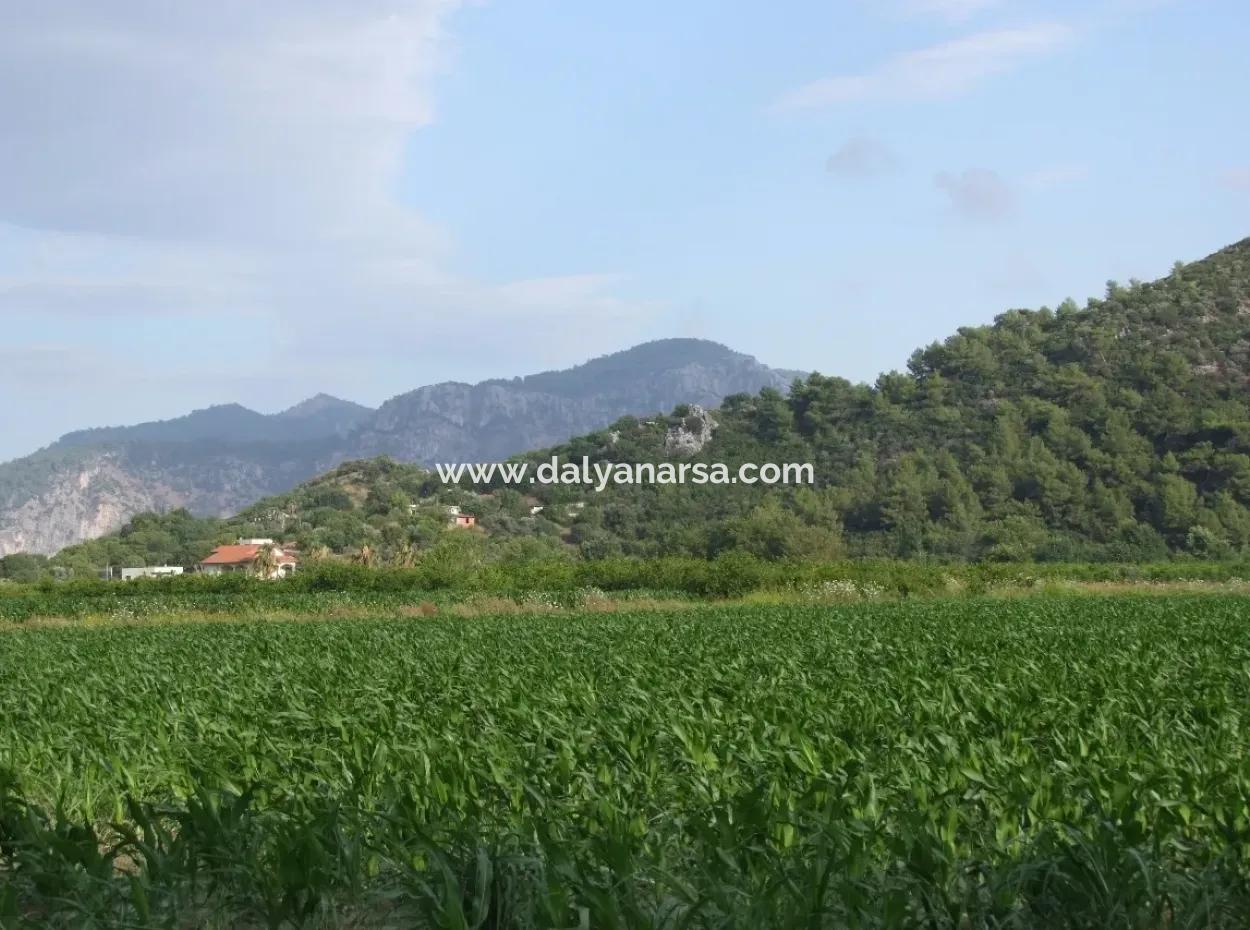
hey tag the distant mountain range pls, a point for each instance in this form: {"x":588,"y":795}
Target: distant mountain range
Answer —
{"x":1114,"y":431}
{"x":218,"y":460}
{"x":315,"y":418}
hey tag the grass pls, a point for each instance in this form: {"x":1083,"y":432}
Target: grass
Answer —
{"x":1030,"y":762}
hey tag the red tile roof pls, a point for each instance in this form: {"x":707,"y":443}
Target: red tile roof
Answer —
{"x":232,"y":555}
{"x":244,"y":555}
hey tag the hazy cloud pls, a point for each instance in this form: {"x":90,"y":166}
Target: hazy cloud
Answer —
{"x":234,"y":121}
{"x":978,"y":195}
{"x":228,"y":157}
{"x":1053,"y":176}
{"x":934,"y":73}
{"x":1236,"y":179}
{"x":1017,"y":273}
{"x":22,"y":364}
{"x":234,"y":165}
{"x":861,"y":157}
{"x":949,"y":9}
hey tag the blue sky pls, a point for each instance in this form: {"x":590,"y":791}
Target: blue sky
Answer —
{"x":255,"y":202}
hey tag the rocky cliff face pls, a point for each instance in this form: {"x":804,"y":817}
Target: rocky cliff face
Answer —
{"x":688,"y":437}
{"x":97,"y":490}
{"x":495,"y":419}
{"x":218,"y":461}
{"x":83,"y":502}
{"x":461,"y":422}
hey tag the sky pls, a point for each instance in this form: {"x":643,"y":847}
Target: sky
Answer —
{"x":253,"y":203}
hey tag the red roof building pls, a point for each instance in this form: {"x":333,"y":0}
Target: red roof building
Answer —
{"x":242,"y":558}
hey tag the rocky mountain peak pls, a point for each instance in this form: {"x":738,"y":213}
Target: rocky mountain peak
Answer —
{"x":220,"y":459}
{"x":320,"y":404}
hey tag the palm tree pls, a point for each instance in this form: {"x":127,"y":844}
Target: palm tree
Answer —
{"x":366,"y":556}
{"x":266,"y":562}
{"x":406,"y":556}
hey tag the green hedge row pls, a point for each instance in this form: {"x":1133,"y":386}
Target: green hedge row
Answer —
{"x":732,"y":575}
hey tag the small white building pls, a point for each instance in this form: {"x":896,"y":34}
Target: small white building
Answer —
{"x":150,"y":571}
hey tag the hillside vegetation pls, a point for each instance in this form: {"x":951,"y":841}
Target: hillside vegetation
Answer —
{"x":216,"y":461}
{"x":1115,"y":432}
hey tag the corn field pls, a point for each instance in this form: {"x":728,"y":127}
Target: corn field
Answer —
{"x":1042,"y":762}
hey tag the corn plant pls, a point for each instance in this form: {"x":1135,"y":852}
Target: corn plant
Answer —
{"x":1043,"y":762}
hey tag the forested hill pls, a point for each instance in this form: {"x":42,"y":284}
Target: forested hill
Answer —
{"x":1120,"y":431}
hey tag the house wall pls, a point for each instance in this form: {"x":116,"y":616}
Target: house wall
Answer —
{"x":221,"y":569}
{"x":282,"y":570}
{"x":151,"y":571}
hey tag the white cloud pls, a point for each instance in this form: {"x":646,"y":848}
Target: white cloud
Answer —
{"x":861,"y":157}
{"x":978,"y":195}
{"x":233,"y":165}
{"x":96,"y":276}
{"x":935,"y":73}
{"x":229,"y":121}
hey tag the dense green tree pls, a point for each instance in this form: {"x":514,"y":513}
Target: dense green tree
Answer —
{"x":23,"y":567}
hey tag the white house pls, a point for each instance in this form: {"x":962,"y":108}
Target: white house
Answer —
{"x":150,"y":571}
{"x":242,"y":558}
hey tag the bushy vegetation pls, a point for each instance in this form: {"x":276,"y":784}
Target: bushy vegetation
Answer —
{"x":465,"y":567}
{"x":1036,"y":763}
{"x":378,"y":512}
{"x":23,"y":567}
